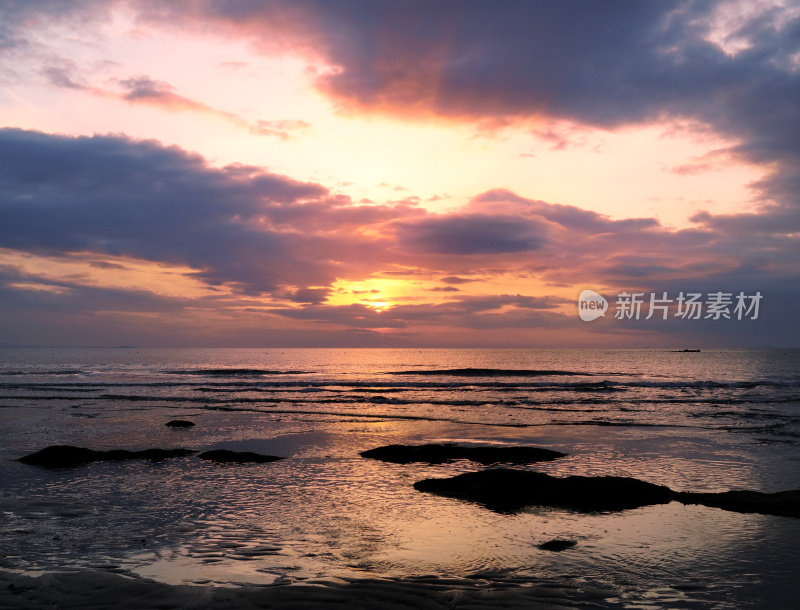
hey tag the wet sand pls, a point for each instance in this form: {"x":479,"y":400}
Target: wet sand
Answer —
{"x":103,"y":590}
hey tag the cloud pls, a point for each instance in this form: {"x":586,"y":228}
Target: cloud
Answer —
{"x":268,"y":251}
{"x":600,"y":64}
{"x":116,"y":196}
{"x":143,"y":89}
{"x":561,"y":67}
{"x":282,"y":129}
{"x":62,"y":76}
{"x":274,"y":247}
{"x":490,"y":312}
{"x":730,"y":66}
{"x":471,"y":234}
{"x":451,"y":279}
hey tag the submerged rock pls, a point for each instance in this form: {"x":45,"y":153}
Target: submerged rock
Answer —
{"x":65,"y":456}
{"x":237,"y":457}
{"x":783,"y":503}
{"x":507,"y":490}
{"x":179,"y":423}
{"x":441,"y":453}
{"x":557,"y":545}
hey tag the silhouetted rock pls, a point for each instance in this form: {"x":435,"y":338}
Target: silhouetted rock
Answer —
{"x":557,"y":544}
{"x":179,"y":423}
{"x":785,"y":503}
{"x":64,"y":456}
{"x":506,"y":490}
{"x":59,"y":456}
{"x":440,"y":453}
{"x":237,"y":457}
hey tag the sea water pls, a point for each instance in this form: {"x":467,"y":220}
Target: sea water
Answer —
{"x":695,"y":421}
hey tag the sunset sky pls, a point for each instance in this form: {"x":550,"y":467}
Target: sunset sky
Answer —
{"x":395,"y":173}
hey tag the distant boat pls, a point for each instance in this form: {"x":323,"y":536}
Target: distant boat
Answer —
{"x":682,"y":351}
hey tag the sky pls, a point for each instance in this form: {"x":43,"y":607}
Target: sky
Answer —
{"x":391,"y":173}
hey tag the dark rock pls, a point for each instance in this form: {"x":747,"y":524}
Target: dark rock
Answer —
{"x":58,"y":456}
{"x":441,"y":453}
{"x":65,"y":456}
{"x":557,"y":544}
{"x":179,"y":423}
{"x":154,"y":455}
{"x":784,"y":503}
{"x":506,"y":490}
{"x":237,"y":457}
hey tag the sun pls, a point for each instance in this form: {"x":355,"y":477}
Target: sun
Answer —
{"x":378,"y":306}
{"x":378,"y":294}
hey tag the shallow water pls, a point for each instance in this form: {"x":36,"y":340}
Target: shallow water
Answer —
{"x":708,"y":421}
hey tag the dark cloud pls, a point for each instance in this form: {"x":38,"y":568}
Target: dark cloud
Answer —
{"x":445,"y":289}
{"x":468,"y":58}
{"x":312,"y":296}
{"x":772,"y":221}
{"x":608,"y":63}
{"x":471,"y":234}
{"x":451,"y":279}
{"x":115,"y":196}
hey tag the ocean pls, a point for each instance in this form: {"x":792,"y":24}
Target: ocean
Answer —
{"x":326,"y":517}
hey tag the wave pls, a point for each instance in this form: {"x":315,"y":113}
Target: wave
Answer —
{"x":13,"y":373}
{"x":235,"y":372}
{"x":332,"y":400}
{"x":371,"y":416}
{"x":340,"y":385}
{"x":213,"y":395}
{"x":622,"y":424}
{"x":473,"y":372}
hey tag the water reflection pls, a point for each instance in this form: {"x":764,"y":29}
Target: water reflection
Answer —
{"x":325,"y":512}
